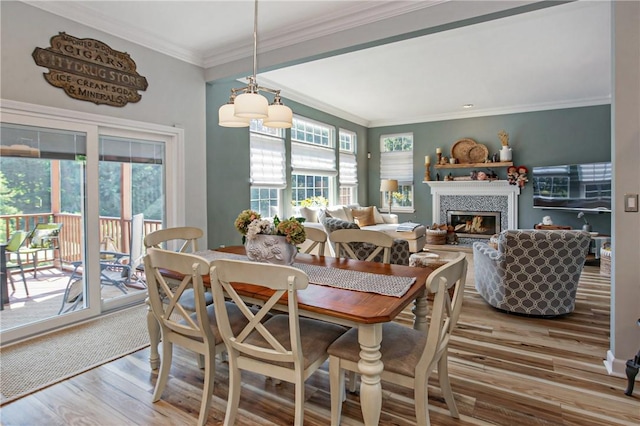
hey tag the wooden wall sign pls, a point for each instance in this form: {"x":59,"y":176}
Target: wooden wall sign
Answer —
{"x":89,"y":70}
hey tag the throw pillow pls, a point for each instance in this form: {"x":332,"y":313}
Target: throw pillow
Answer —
{"x":364,"y":216}
{"x":338,"y":212}
{"x":377,"y":216}
{"x":331,"y":224}
{"x":310,"y":215}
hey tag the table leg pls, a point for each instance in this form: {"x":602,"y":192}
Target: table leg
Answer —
{"x":420,"y":311}
{"x":370,"y":367}
{"x":154,"y":337}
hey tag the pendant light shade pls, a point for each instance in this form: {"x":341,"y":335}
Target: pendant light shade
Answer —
{"x":226,"y":117}
{"x":280,"y":116}
{"x":251,"y":105}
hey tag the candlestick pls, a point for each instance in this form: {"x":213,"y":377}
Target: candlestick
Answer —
{"x":427,"y":159}
{"x":427,"y":173}
{"x":438,"y":150}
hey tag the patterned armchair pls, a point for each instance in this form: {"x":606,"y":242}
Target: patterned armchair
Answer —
{"x":399,"y":251}
{"x":532,"y":272}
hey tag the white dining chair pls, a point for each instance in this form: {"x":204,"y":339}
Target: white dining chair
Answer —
{"x":318,"y":238}
{"x":197,"y":331}
{"x":361,"y":244}
{"x":181,"y":239}
{"x":285,"y":347}
{"x":409,"y":356}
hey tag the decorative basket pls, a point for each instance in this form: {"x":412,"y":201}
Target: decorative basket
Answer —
{"x":605,"y":262}
{"x":436,"y":236}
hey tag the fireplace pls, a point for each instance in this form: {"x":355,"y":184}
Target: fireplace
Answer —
{"x":474,"y":224}
{"x":475,"y":196}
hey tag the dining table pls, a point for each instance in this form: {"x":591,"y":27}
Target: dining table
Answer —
{"x":365,"y":309}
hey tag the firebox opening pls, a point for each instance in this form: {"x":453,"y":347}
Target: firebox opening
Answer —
{"x":472,"y":224}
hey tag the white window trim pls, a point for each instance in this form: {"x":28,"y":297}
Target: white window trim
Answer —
{"x":93,"y":126}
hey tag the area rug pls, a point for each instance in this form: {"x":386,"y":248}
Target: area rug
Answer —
{"x":42,"y":361}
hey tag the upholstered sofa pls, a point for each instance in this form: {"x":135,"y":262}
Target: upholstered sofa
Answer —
{"x":368,"y":218}
{"x":532,"y":272}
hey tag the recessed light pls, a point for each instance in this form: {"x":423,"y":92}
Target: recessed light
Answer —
{"x":467,"y":106}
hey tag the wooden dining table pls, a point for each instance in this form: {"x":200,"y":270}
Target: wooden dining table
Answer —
{"x":365,"y":310}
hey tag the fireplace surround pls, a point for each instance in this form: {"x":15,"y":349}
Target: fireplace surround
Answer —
{"x":475,"y":196}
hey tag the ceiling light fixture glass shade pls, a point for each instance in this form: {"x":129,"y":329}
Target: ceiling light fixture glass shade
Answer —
{"x":249,"y":103}
{"x":280,"y":116}
{"x":226,"y":117}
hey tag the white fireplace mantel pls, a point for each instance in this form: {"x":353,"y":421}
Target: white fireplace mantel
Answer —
{"x":475,"y":188}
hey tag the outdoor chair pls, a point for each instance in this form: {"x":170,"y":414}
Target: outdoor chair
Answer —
{"x":13,"y":249}
{"x":42,"y":238}
{"x":409,"y":356}
{"x":116,"y":269}
{"x":284,"y":347}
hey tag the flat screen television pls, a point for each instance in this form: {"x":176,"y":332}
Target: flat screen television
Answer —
{"x":585,"y":187}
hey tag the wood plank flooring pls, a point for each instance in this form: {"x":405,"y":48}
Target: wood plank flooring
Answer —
{"x":505,"y":370}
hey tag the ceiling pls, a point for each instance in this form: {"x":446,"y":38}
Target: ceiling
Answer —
{"x":555,"y":57}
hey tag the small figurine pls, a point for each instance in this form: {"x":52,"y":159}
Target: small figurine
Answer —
{"x":512,"y":175}
{"x":522,"y":176}
{"x":481,"y":176}
{"x":474,"y":175}
{"x":546,"y":220}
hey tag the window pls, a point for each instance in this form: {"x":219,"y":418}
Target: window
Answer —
{"x":348,"y":168}
{"x":267,"y":169}
{"x":313,"y":160}
{"x":396,"y":162}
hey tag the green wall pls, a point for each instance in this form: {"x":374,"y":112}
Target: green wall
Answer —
{"x":228,"y":186}
{"x":562,"y":136}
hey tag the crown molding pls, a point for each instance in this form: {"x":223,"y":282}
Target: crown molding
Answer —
{"x":354,"y":15}
{"x":82,"y":14}
{"x":476,"y":112}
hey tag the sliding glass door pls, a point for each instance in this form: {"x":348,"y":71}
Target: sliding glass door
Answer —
{"x":102,"y":187}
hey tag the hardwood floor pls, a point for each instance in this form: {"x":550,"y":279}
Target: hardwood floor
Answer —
{"x":505,"y":370}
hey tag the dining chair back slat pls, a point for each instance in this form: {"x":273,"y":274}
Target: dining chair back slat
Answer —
{"x":348,"y":243}
{"x":318,"y":238}
{"x":183,"y":239}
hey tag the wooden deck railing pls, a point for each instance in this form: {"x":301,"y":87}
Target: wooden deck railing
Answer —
{"x":70,"y":238}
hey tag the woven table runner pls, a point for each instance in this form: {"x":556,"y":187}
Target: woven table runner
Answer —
{"x":387,"y":285}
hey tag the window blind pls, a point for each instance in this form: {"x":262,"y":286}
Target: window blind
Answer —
{"x":124,"y":150}
{"x":313,"y":160}
{"x":348,"y":169}
{"x":267,"y":161}
{"x":397,"y":165}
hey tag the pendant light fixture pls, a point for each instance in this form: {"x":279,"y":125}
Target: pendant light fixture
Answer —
{"x":247,"y":103}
